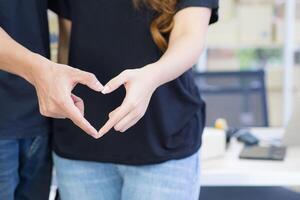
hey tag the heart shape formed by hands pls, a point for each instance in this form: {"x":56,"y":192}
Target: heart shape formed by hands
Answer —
{"x":139,"y":87}
{"x":54,"y":84}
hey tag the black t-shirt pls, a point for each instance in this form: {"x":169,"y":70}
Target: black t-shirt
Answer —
{"x":26,"y":22}
{"x":107,"y":38}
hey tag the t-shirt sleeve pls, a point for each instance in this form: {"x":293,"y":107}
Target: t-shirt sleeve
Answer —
{"x":61,"y":7}
{"x":213,"y":4}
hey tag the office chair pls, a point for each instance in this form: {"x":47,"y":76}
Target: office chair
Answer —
{"x":240,"y":98}
{"x":237,"y":96}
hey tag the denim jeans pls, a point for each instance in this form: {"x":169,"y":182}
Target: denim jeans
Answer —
{"x":25,"y":168}
{"x":172,"y":180}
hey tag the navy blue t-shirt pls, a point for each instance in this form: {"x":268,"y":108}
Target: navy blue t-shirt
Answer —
{"x":109,"y":36}
{"x":26,"y":22}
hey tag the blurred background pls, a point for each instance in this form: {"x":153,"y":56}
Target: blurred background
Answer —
{"x":249,"y":76}
{"x":251,"y":36}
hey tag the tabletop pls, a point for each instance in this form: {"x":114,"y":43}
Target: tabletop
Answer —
{"x":229,"y":170}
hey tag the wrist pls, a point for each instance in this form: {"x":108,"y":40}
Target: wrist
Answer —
{"x":152,"y":75}
{"x":157,"y":74}
{"x":37,"y":64}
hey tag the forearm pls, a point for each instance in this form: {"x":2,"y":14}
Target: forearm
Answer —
{"x":186,"y":44}
{"x":16,"y":59}
{"x":181,"y":55}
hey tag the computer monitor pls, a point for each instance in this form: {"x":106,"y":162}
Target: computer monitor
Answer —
{"x":292,"y":132}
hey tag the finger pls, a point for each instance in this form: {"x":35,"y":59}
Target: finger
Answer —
{"x":112,"y":113}
{"x":78,"y":103}
{"x":77,"y":118}
{"x":123,"y":110}
{"x":115,"y":83}
{"x":130,"y":124}
{"x":89,"y":80}
{"x":82,"y":123}
{"x":127,"y":121}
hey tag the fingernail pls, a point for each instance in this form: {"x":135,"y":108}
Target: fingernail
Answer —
{"x":105,"y":90}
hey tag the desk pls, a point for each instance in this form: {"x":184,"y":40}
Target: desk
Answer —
{"x":229,"y":170}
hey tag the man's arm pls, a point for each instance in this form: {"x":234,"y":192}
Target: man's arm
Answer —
{"x":15,"y":58}
{"x":53,"y":82}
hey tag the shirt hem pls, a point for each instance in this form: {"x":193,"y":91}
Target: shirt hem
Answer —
{"x":126,"y":161}
{"x":24,"y":133}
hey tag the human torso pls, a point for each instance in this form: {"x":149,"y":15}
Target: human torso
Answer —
{"x":107,"y":38}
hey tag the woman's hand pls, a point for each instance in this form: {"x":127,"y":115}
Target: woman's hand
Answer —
{"x":140,"y":85}
{"x":54,"y":84}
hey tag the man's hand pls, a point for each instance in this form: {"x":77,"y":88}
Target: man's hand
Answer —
{"x":54,"y":84}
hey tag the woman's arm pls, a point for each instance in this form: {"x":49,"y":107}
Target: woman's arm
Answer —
{"x":186,"y":43}
{"x":53,"y":82}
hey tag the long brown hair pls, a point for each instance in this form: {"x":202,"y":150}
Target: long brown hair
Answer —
{"x":163,"y":22}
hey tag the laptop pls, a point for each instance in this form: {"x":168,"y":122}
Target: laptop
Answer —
{"x":291,"y":138}
{"x":292,"y":132}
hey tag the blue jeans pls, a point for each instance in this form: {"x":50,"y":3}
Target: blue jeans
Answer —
{"x":172,"y":180}
{"x":25,"y":169}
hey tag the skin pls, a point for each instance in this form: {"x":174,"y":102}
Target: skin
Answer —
{"x":53,"y":82}
{"x":186,"y":44}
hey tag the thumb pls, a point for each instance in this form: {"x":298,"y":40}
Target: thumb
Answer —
{"x":78,"y":103}
{"x":89,"y":79}
{"x":116,"y":82}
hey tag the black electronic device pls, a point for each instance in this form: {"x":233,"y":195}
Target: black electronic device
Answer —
{"x":263,"y":153}
{"x":245,"y":136}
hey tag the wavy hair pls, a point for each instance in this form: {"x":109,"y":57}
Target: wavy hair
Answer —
{"x":163,"y":22}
